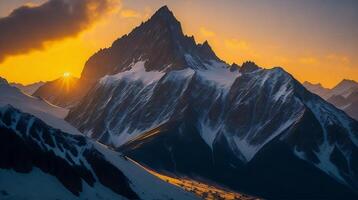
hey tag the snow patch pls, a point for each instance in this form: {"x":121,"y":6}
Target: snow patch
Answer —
{"x":136,"y":73}
{"x":218,"y":74}
{"x":249,"y":150}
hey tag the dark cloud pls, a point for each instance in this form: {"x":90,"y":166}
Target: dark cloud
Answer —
{"x":28,"y":28}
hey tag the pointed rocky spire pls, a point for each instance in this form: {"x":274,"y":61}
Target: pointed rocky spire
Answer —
{"x":164,"y":12}
{"x":234,"y":67}
{"x":165,"y":17}
{"x":248,"y":67}
{"x":206,"y":50}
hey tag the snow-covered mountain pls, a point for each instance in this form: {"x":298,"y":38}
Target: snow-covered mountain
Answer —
{"x":162,"y":40}
{"x":344,"y":95}
{"x":28,"y":89}
{"x":40,"y":162}
{"x":52,"y":115}
{"x":173,"y":105}
{"x":59,"y":92}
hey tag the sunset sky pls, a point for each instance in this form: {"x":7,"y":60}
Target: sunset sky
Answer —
{"x":315,"y":40}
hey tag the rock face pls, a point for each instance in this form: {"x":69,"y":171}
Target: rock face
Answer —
{"x":186,"y":112}
{"x":344,"y":95}
{"x":50,"y":164}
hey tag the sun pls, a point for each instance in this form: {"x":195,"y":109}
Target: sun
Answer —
{"x":66,"y":74}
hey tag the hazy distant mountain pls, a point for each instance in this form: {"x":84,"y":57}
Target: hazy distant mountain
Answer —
{"x":345,"y":88}
{"x":28,"y":89}
{"x":318,"y":89}
{"x":40,"y":162}
{"x":343,"y":95}
{"x":173,"y":105}
{"x":59,"y":91}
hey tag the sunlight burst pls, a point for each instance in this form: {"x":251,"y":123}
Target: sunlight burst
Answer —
{"x":66,"y":74}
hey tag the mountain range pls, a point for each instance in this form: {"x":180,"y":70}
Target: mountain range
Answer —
{"x":344,"y":95}
{"x":174,"y":106}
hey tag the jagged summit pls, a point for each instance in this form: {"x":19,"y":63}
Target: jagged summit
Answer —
{"x":166,"y":14}
{"x":159,"y":41}
{"x":248,"y":67}
{"x":206,"y":50}
{"x":234,"y":67}
{"x":165,"y":19}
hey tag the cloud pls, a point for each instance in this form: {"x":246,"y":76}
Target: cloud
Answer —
{"x":30,"y":27}
{"x":206,"y":32}
{"x":129,"y":13}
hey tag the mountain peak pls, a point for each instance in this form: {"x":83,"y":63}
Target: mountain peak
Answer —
{"x":248,"y":67}
{"x":166,"y":15}
{"x":346,"y":83}
{"x":206,"y":45}
{"x":206,"y":50}
{"x":164,"y":10}
{"x":234,"y":67}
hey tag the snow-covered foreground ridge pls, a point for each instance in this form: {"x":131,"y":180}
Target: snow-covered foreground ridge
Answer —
{"x":51,"y":164}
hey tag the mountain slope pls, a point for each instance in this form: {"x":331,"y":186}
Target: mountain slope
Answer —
{"x":191,"y":114}
{"x":50,"y":164}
